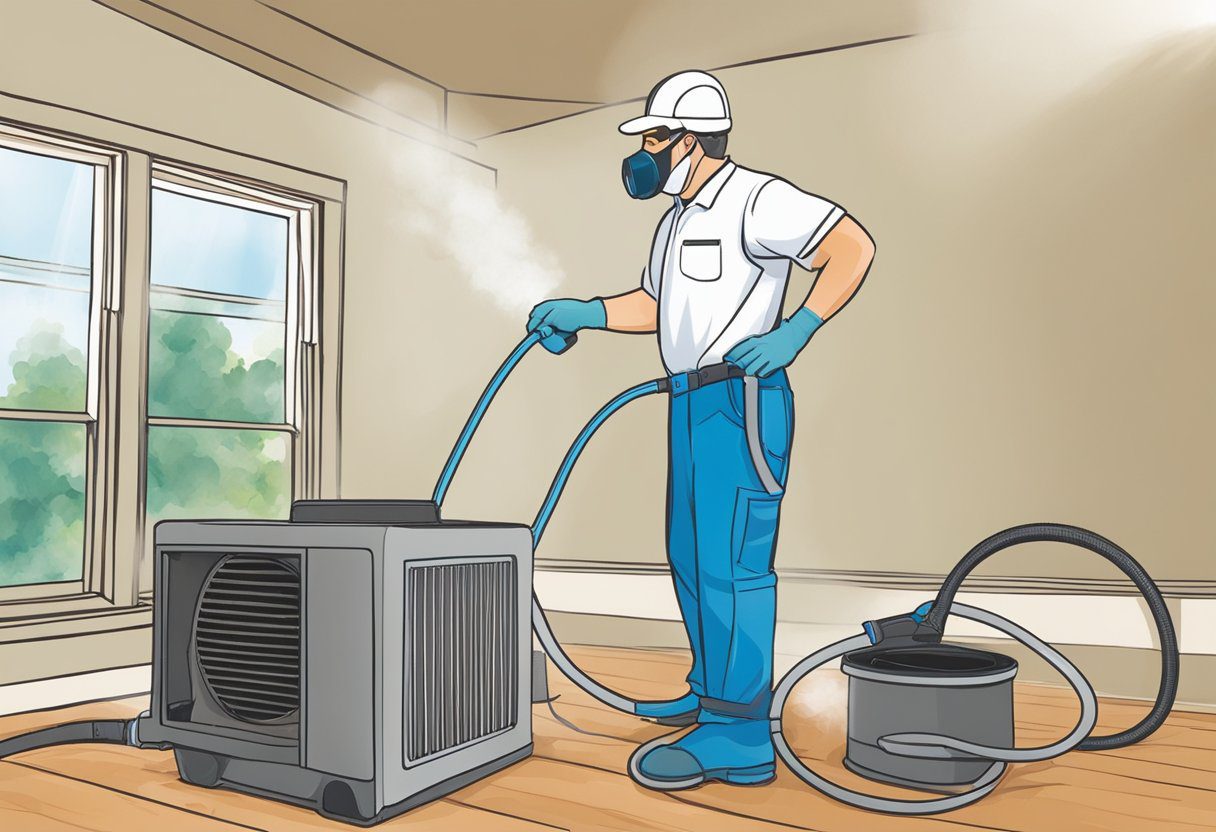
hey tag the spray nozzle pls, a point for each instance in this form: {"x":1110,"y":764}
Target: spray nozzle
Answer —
{"x":556,"y":341}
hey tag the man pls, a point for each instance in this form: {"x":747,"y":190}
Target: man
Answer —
{"x":713,"y":289}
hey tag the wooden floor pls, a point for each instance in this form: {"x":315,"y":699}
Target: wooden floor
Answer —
{"x":576,"y":781}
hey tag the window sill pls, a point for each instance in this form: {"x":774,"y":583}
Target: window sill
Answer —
{"x":76,"y":634}
{"x":22,"y":593}
{"x":18,"y":611}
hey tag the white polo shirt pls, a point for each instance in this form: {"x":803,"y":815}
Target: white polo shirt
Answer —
{"x":719,"y":265}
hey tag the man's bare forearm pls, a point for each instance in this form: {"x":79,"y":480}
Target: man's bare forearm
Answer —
{"x":843,"y":259}
{"x":633,"y":311}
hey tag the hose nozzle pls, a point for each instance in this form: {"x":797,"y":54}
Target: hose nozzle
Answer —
{"x":556,"y":341}
{"x":909,"y":628}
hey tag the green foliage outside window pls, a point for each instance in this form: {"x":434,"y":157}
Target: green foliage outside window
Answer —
{"x":199,"y":472}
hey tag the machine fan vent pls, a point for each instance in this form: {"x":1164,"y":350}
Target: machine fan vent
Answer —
{"x":463,"y":650}
{"x":248,"y":637}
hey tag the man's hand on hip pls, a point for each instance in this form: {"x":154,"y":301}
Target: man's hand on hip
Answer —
{"x":568,"y":315}
{"x":763,"y":355}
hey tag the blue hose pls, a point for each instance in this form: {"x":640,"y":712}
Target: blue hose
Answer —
{"x":555,"y":342}
{"x":572,"y":455}
{"x":540,"y":624}
{"x":479,"y":411}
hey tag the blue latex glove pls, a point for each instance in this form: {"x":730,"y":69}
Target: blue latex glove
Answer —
{"x":568,"y":315}
{"x":763,"y":355}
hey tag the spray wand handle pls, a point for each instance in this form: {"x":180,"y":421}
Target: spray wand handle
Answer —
{"x":557,"y":341}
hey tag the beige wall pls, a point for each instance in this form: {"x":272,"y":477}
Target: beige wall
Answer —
{"x":1034,"y":341}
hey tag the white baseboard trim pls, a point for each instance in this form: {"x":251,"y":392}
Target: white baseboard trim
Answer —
{"x":70,"y":690}
{"x":621,"y":595}
{"x":1099,"y":619}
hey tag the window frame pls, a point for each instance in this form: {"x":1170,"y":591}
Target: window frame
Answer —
{"x":111,"y":588}
{"x":303,"y":216}
{"x":108,"y":170}
{"x":51,"y":636}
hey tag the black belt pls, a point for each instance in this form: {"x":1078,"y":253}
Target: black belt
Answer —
{"x":683,"y":382}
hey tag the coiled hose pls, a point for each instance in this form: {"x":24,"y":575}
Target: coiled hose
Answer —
{"x":934,"y":745}
{"x":1099,"y":545}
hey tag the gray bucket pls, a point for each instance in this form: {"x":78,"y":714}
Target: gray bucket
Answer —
{"x":933,"y":689}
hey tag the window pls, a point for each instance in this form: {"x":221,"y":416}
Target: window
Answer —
{"x":162,"y":326}
{"x":229,"y":269}
{"x":53,"y":219}
{"x":174,"y":375}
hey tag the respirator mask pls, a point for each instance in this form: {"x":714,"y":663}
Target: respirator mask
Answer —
{"x":645,"y":174}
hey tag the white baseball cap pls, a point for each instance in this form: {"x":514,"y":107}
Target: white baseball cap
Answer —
{"x":691,"y":100}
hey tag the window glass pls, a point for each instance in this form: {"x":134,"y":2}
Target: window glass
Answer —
{"x":46,"y":226}
{"x":46,"y":208}
{"x":213,"y":247}
{"x":205,"y":366}
{"x":217,"y":331}
{"x":217,"y":473}
{"x":42,"y":501}
{"x":46,"y":238}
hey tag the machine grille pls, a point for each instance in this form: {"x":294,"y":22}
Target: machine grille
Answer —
{"x":463,"y":654}
{"x":248,"y":637}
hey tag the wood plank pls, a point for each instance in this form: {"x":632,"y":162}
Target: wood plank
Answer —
{"x":33,"y":801}
{"x":1092,"y":790}
{"x":578,"y":781}
{"x":580,"y":797}
{"x":153,"y":775}
{"x":786,"y":801}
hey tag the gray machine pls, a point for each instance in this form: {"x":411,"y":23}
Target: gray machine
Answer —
{"x":361,"y":659}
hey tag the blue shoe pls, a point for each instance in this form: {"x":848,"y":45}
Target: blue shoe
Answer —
{"x":682,"y":711}
{"x":739,"y":753}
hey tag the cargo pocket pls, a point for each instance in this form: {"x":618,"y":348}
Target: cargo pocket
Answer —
{"x":754,"y":531}
{"x":776,"y":406}
{"x":776,"y":420}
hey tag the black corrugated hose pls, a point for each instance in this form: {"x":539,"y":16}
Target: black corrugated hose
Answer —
{"x":1060,"y":533}
{"x":117,"y":731}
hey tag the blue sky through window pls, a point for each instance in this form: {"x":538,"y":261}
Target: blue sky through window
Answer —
{"x":46,"y":215}
{"x":198,"y":244}
{"x":46,"y":208}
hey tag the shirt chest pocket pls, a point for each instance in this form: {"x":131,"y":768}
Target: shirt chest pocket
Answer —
{"x":701,"y":259}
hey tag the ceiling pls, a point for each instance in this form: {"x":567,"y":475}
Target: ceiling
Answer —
{"x":462,"y":70}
